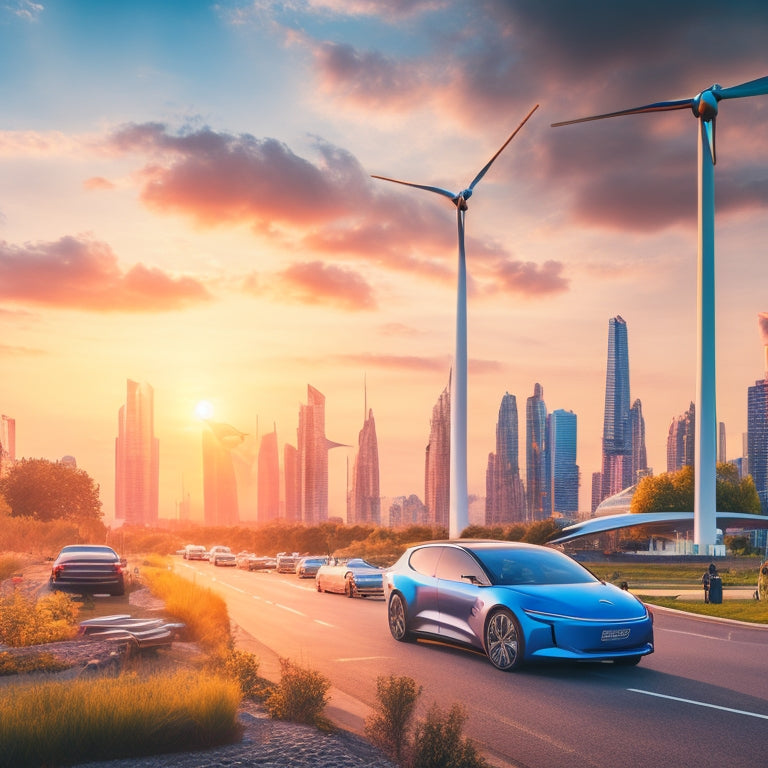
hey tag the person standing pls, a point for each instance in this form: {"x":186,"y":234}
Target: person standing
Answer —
{"x":706,"y":580}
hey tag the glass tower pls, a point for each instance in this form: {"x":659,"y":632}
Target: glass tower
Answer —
{"x":537,"y":463}
{"x":366,"y":501}
{"x":268,"y":493}
{"x":437,"y":462}
{"x":137,"y":458}
{"x":564,"y":470}
{"x":505,"y":496}
{"x":617,"y":429}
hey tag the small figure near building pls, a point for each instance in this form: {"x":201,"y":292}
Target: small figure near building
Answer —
{"x":713,"y":585}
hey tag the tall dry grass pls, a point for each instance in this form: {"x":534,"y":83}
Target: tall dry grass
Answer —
{"x":127,"y":716}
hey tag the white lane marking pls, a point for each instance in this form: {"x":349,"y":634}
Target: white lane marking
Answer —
{"x":324,"y":623}
{"x":292,"y":610}
{"x":700,"y":703}
{"x":365,"y":658}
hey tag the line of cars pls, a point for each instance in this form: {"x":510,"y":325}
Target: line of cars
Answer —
{"x":517,"y":603}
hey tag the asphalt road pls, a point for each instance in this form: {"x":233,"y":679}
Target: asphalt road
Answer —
{"x":700,"y":700}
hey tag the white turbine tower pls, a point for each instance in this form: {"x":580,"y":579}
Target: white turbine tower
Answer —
{"x":459,"y":495}
{"x":704,"y":106}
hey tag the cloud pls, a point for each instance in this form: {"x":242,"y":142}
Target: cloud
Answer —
{"x":416,"y":364}
{"x":317,"y":283}
{"x":9,"y":351}
{"x":24,"y":9}
{"x":98,"y":183}
{"x":526,"y":278}
{"x":82,"y":274}
{"x":327,"y":206}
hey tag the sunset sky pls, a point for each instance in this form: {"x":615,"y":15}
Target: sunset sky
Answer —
{"x":185,"y":200}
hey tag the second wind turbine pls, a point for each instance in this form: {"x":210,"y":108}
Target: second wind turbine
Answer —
{"x":458,"y":516}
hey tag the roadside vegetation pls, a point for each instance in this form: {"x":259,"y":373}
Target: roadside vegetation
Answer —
{"x":736,"y":610}
{"x":75,"y":721}
{"x":434,"y":741}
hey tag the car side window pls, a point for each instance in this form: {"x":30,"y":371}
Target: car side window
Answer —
{"x":457,"y":565}
{"x":424,"y":560}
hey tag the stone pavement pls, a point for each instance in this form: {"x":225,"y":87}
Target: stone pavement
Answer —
{"x":268,"y":743}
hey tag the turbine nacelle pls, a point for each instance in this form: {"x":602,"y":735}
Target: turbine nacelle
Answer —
{"x":704,"y":105}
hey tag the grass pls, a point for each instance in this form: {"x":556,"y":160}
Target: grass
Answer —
{"x":64,"y":723}
{"x":678,"y":574}
{"x":752,"y":611}
{"x":9,"y":566}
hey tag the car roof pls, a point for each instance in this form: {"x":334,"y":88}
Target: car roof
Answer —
{"x":481,"y":545}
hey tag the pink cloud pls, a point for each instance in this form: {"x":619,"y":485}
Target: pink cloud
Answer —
{"x":317,"y":283}
{"x":329,"y":206}
{"x":82,"y":274}
{"x":98,"y":183}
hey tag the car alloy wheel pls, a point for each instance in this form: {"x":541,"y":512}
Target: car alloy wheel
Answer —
{"x":504,"y":641}
{"x":397,"y":618}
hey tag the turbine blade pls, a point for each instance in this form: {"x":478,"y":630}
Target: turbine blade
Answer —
{"x":709,"y":130}
{"x":438,"y":190}
{"x":512,"y":136}
{"x":757,"y":87}
{"x":659,"y":106}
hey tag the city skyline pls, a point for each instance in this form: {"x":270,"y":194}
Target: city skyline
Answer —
{"x":206,"y":221}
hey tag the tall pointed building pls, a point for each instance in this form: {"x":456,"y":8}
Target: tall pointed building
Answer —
{"x":312,"y":459}
{"x":680,"y":440}
{"x":220,"y":504}
{"x":365,"y":502}
{"x":617,"y":430}
{"x":505,"y":496}
{"x":268,"y":488}
{"x":536,"y":455}
{"x":137,"y":458}
{"x":437,"y":461}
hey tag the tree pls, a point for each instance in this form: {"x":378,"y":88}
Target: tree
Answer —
{"x":674,"y":492}
{"x":46,"y":490}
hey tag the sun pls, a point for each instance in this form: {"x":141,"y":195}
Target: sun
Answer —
{"x":204,"y":410}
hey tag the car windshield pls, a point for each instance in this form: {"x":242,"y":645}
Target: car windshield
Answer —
{"x":526,"y":566}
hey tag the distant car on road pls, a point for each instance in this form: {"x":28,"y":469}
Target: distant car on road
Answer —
{"x":220,"y":555}
{"x":194,"y":552}
{"x":354,"y":577}
{"x":88,"y":569}
{"x":286,"y":562}
{"x":515,"y":602}
{"x":307,"y":567}
{"x":251,"y":562}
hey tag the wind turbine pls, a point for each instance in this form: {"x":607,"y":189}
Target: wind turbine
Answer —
{"x":459,"y":496}
{"x":704,"y":107}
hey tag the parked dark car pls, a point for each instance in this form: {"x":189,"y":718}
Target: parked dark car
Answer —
{"x":515,"y":602}
{"x":88,"y":569}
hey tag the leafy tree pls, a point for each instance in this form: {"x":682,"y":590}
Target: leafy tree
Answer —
{"x":674,"y":492}
{"x":46,"y":490}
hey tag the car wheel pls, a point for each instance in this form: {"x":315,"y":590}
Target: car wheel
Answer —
{"x":628,"y":661}
{"x":504,"y":641}
{"x":398,"y":624}
{"x":319,"y":588}
{"x":349,"y":587}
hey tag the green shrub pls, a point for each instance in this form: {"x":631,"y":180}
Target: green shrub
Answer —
{"x":65,"y":723}
{"x":26,"y":621}
{"x":438,"y":743}
{"x":300,"y":696}
{"x":389,"y":728}
{"x":243,"y":668}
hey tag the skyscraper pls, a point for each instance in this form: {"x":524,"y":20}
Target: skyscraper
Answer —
{"x":617,"y":430}
{"x":536,"y":457}
{"x":312,"y":459}
{"x":365,"y":507}
{"x":7,"y":443}
{"x":292,"y":487}
{"x":562,"y":459}
{"x":505,"y":496}
{"x":437,"y":462}
{"x":681,"y":439}
{"x":137,"y":458}
{"x":757,"y":425}
{"x":220,"y":505}
{"x":268,"y":489}
{"x":637,"y":431}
